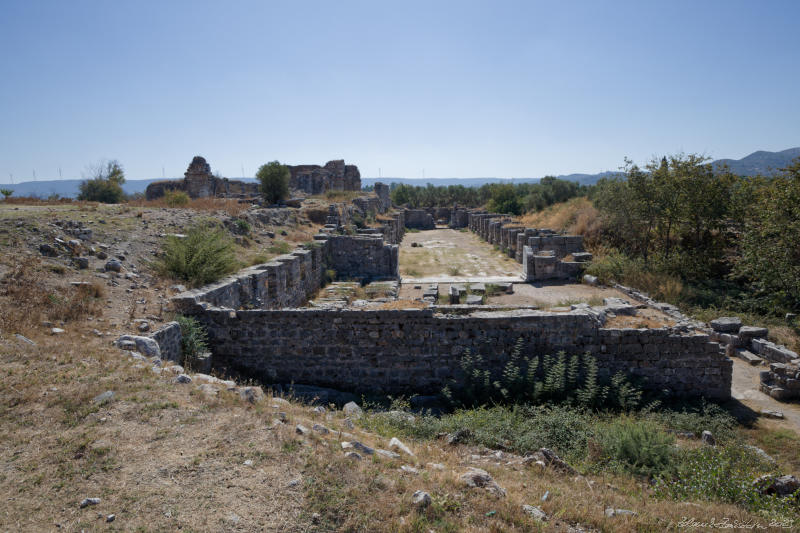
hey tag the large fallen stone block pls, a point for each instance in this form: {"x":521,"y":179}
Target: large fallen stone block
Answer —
{"x":726,"y":324}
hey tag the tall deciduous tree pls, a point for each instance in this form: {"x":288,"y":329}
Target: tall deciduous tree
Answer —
{"x":274,"y":179}
{"x":770,"y":241}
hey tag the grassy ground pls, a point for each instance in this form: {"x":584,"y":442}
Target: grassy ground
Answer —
{"x":163,"y":457}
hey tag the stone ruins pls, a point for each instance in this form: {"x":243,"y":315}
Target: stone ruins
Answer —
{"x":334,"y":176}
{"x":199,"y":182}
{"x":269,"y":322}
{"x":280,"y":323}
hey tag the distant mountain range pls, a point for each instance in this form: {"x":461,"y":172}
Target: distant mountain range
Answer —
{"x":761,"y":162}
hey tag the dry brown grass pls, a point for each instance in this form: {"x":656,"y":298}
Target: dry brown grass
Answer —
{"x":29,"y":294}
{"x":230,"y":206}
{"x":167,"y":457}
{"x":161,"y":457}
{"x":342,"y":196}
{"x":576,"y":216}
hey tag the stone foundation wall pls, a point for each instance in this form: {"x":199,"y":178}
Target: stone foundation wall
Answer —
{"x":405,"y":351}
{"x":419,"y":219}
{"x":362,"y":257}
{"x":393,"y":227}
{"x":168,"y":338}
{"x":290,"y":280}
{"x":541,"y":251}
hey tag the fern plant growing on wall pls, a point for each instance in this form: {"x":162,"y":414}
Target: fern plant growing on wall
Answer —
{"x":549,"y":379}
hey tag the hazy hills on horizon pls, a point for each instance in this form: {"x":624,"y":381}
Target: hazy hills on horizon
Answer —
{"x":759,"y":162}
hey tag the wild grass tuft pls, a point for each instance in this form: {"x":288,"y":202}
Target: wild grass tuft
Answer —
{"x":204,"y":255}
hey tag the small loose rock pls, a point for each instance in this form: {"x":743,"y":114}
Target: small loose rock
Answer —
{"x":421,"y":499}
{"x":535,"y":512}
{"x":86,"y":502}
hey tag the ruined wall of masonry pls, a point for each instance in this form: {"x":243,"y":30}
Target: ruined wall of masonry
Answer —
{"x":419,"y":350}
{"x":334,"y":176}
{"x":290,"y":280}
{"x":419,"y":219}
{"x":542,"y":252}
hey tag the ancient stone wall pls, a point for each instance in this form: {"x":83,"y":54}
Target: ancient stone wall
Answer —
{"x":383,"y":192}
{"x":419,"y":219}
{"x":289,"y":280}
{"x":459,"y":218}
{"x":362,"y":257}
{"x":542,"y":252}
{"x":404,"y":351}
{"x":393,"y":227}
{"x":334,"y":176}
{"x":199,"y":182}
{"x":168,"y":338}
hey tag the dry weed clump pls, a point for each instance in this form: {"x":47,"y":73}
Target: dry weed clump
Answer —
{"x":30,"y":299}
{"x":576,"y":216}
{"x":230,"y":206}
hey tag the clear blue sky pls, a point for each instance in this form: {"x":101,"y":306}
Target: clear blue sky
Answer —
{"x":460,"y":89}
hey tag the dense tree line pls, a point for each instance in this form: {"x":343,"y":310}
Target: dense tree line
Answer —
{"x":680,"y":216}
{"x":514,"y":199}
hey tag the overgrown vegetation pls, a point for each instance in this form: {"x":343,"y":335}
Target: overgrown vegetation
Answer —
{"x":194,"y":339}
{"x":176,"y":198}
{"x":500,"y":198}
{"x":724,"y":474}
{"x":203,"y":255}
{"x":104,"y":184}
{"x":274,"y":180}
{"x":568,"y":379}
{"x":692,"y":234}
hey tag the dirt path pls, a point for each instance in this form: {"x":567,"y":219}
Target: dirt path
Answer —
{"x":448,"y":253}
{"x":745,"y":388}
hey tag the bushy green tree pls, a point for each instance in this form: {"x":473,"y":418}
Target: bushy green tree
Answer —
{"x":104,"y":184}
{"x":770,"y":241}
{"x":6,"y":192}
{"x":505,"y":200}
{"x":274,"y":179}
{"x":674,"y":213}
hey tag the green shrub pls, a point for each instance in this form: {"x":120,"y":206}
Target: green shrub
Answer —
{"x":176,"y":198}
{"x":638,"y":446}
{"x":521,"y":429}
{"x":204,"y":255}
{"x":6,"y":192}
{"x":279,"y":248}
{"x":696,"y":419}
{"x":104,"y":185}
{"x":724,"y":474}
{"x":274,"y":180}
{"x":193,"y":337}
{"x":242,"y":226}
